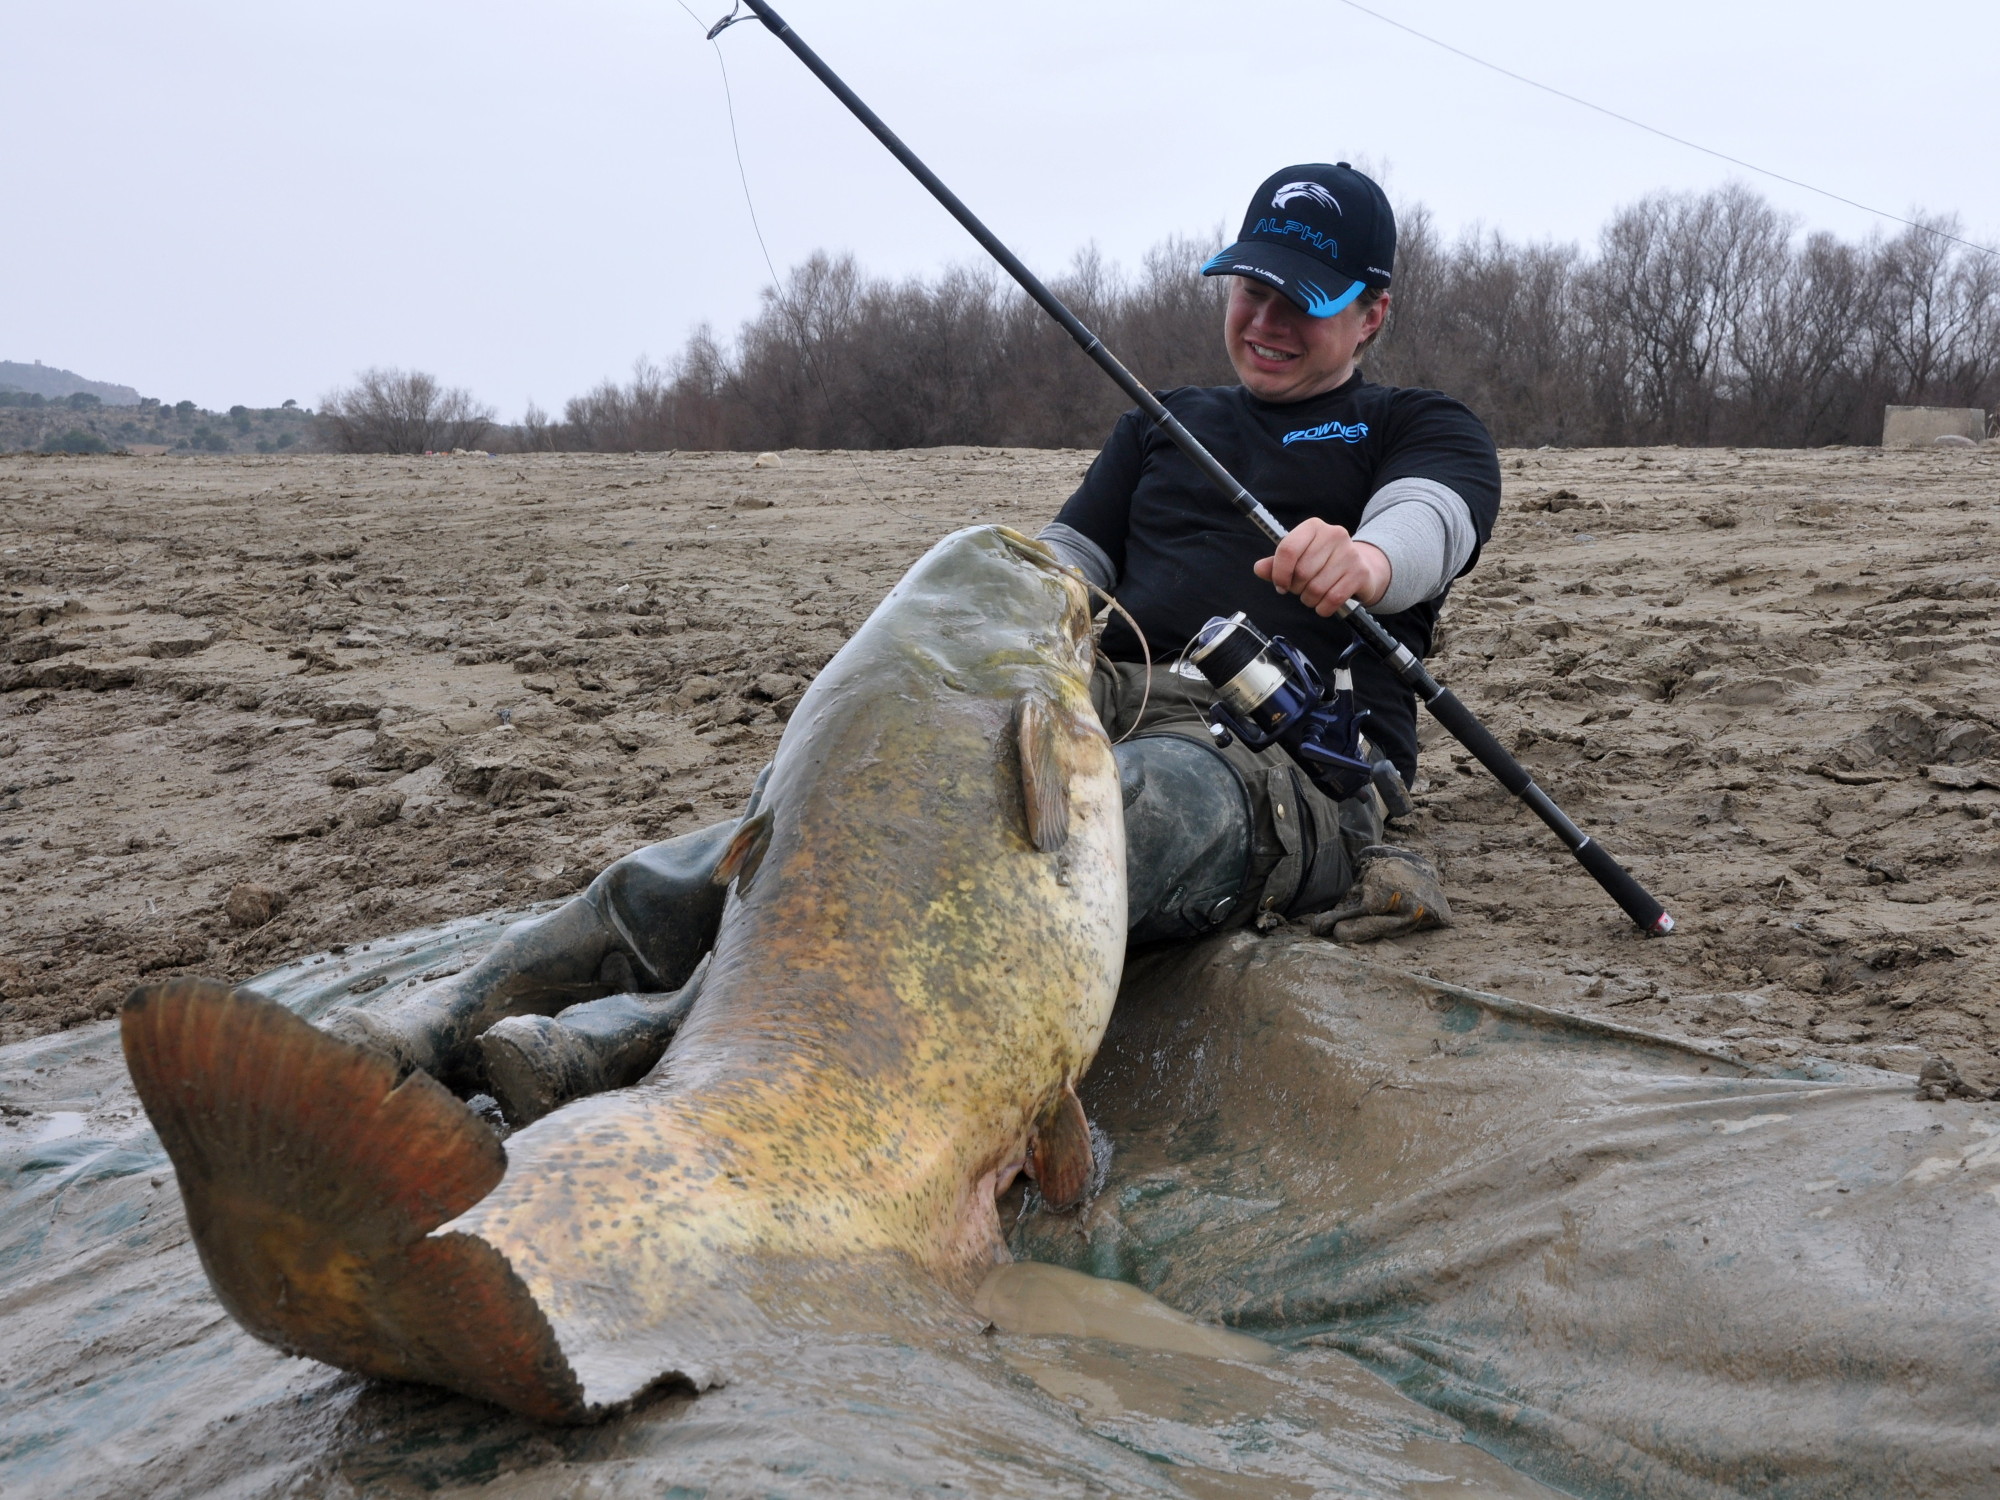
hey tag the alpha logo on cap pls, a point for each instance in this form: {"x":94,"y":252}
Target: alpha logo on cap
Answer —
{"x":1315,"y":232}
{"x":1313,"y":191}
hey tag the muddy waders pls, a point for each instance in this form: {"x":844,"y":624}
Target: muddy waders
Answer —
{"x":636,"y":935}
{"x":587,"y":997}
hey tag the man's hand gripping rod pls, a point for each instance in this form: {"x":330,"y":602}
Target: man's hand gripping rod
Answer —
{"x":1442,"y":702}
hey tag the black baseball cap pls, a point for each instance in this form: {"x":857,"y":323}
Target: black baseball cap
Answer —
{"x":1318,"y":233}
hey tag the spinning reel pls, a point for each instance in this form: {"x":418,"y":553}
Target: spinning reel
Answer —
{"x":1267,"y":693}
{"x":1270,"y":693}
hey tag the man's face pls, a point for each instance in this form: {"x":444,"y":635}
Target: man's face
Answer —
{"x":1283,"y":353}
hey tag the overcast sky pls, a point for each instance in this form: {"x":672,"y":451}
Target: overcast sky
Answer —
{"x":231,"y":201}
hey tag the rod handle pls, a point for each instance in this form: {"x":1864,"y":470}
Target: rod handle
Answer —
{"x":1622,"y":888}
{"x":1465,"y":727}
{"x":1616,"y":880}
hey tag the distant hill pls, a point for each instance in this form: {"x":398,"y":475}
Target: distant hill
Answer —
{"x":84,"y":422}
{"x":43,"y":380}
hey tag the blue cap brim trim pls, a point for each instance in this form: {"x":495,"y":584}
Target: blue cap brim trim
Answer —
{"x":1311,"y":296}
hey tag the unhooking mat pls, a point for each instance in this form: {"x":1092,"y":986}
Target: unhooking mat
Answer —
{"x":1634,"y":1266}
{"x":1629,"y":1267}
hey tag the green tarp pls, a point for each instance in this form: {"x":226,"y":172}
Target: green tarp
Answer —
{"x":1630,"y":1268}
{"x":1633,"y":1266}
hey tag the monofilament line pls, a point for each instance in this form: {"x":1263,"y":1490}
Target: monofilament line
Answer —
{"x":1665,"y":135}
{"x":729,"y":104}
{"x":777,"y":282}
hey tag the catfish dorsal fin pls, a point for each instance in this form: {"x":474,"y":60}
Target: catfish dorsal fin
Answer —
{"x":745,"y":853}
{"x":1044,"y":783}
{"x":1059,"y":1156}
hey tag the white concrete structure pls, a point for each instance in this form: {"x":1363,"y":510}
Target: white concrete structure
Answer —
{"x":1920,"y":426}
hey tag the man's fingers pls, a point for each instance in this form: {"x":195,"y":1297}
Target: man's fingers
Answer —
{"x":1287,"y":563}
{"x":1329,"y":591}
{"x":1315,"y":590}
{"x":1332,"y":589}
{"x":1268,"y":569}
{"x":1321,"y":554}
{"x":1302,"y":556}
{"x":1330,"y":570}
{"x":1326,"y":587}
{"x":1322,"y":564}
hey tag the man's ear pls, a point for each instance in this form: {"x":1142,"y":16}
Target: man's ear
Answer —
{"x":1373,"y":315}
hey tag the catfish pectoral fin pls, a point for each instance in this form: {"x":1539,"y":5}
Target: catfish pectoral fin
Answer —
{"x":1044,"y":782}
{"x":1060,"y":1158}
{"x":745,"y":852}
{"x":312,"y":1173}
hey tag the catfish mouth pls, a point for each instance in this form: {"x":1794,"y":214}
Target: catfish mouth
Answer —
{"x":1079,"y":619}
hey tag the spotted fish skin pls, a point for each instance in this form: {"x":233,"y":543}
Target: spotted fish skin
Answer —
{"x":905,"y":987}
{"x":915,"y":965}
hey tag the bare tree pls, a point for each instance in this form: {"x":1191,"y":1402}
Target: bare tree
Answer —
{"x":1939,"y":315}
{"x":1675,"y":276}
{"x":401,"y":411}
{"x":1699,"y":319}
{"x":791,"y":376}
{"x":538,"y":434}
{"x":1801,"y":348}
{"x":1496,"y":324}
{"x":613,"y":418}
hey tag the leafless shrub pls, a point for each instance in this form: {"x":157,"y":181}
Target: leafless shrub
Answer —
{"x":1938,"y":317}
{"x":401,"y":411}
{"x":537,"y":433}
{"x":1698,"y":319}
{"x":1702,"y":319}
{"x":1498,"y":325}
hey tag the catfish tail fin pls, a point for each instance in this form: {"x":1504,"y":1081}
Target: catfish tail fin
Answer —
{"x":312,"y":1179}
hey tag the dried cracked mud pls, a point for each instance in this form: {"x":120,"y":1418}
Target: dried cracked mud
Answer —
{"x":255,"y":707}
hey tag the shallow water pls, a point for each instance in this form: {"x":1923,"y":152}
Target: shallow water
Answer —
{"x":1625,"y":1266}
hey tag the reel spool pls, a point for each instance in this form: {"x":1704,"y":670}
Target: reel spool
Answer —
{"x":1268,"y":693}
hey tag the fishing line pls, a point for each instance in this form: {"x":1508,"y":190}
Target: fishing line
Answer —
{"x":1110,"y":603}
{"x":1145,"y":650}
{"x":1300,"y":704}
{"x":736,"y":145}
{"x":1748,"y":166}
{"x":777,"y":282}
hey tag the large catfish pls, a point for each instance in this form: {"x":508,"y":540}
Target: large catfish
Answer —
{"x":916,"y":966}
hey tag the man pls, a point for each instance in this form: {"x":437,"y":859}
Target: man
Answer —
{"x":1388,"y":494}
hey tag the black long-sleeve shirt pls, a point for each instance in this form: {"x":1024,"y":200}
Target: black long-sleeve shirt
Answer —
{"x":1182,"y":553}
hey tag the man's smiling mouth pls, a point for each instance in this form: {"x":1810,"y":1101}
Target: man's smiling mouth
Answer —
{"x":1265,"y":351}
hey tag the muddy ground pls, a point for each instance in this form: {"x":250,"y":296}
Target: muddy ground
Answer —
{"x":254,"y":707}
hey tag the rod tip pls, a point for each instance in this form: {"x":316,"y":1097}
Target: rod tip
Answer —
{"x":1662,"y":924}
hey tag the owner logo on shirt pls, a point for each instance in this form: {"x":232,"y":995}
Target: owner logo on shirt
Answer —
{"x":1347,"y":433}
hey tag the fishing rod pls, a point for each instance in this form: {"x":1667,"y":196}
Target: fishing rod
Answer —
{"x":1444,"y":705}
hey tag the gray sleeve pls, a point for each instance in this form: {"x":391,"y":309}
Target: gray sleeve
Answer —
{"x":1425,"y":530}
{"x":1081,"y":553}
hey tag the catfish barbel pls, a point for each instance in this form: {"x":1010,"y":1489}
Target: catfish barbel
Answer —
{"x":915,"y":968}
